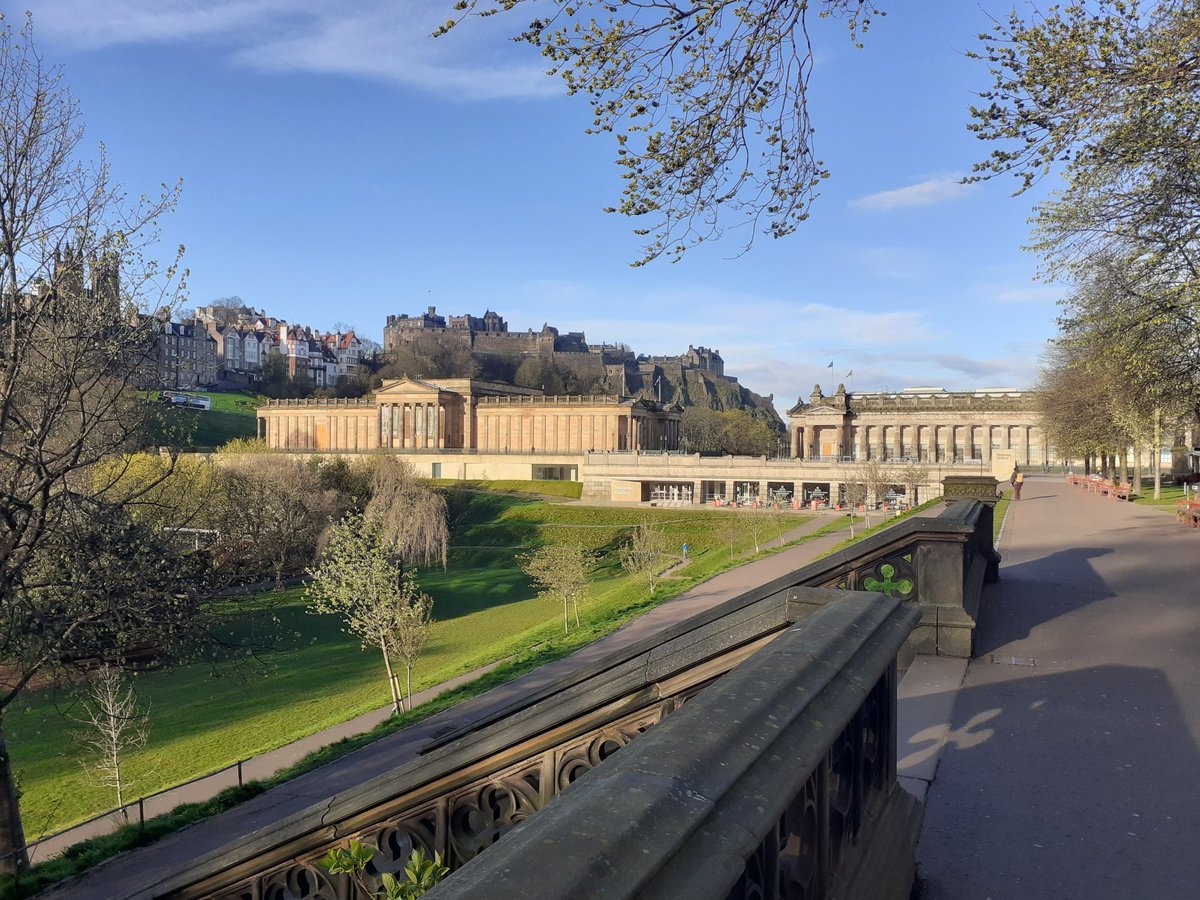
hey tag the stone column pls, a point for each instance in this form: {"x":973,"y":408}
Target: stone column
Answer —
{"x":860,"y":438}
{"x":729,"y":498}
{"x":1025,"y":444}
{"x":985,"y":445}
{"x":797,"y":431}
{"x":441,"y":426}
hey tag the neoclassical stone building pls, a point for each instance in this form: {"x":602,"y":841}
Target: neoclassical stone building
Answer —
{"x":926,"y":423}
{"x":467,"y":414}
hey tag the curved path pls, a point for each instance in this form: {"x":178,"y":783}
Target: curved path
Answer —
{"x":1072,"y":767}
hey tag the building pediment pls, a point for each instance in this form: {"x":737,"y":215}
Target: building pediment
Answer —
{"x":406,"y":387}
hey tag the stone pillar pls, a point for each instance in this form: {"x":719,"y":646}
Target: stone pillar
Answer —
{"x":797,"y":431}
{"x":729,"y":498}
{"x":931,"y":444}
{"x":986,"y":445}
{"x":860,"y":438}
{"x":1025,"y":444}
{"x":441,"y":426}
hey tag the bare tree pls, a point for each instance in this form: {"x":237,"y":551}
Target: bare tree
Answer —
{"x":561,"y":572}
{"x":271,"y":510}
{"x":113,"y":726}
{"x":912,"y":475}
{"x":876,"y":478}
{"x":642,"y":554}
{"x":75,"y":341}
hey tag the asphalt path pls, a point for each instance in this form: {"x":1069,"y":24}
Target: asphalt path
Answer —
{"x":1071,"y":768}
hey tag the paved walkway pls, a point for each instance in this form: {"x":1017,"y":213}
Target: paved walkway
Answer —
{"x":1071,"y":767}
{"x":139,"y":870}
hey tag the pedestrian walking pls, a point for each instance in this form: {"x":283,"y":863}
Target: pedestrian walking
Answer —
{"x":1018,"y":479}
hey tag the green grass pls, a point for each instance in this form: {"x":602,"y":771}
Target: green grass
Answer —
{"x":998,"y":515}
{"x":1169,"y":494}
{"x":232,"y":416}
{"x":571,"y":490}
{"x":207,"y":715}
{"x":881,"y":526}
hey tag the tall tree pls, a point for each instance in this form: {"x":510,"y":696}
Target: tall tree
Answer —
{"x":72,"y":348}
{"x":359,"y":579}
{"x":707,"y":104}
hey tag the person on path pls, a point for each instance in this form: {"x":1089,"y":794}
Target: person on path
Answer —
{"x":1018,"y":479}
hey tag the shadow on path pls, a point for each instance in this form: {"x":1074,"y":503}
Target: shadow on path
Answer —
{"x":1073,"y":784}
{"x":1036,"y":592}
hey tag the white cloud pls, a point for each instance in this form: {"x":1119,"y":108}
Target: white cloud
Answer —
{"x":940,"y":189}
{"x":376,"y":39}
{"x":772,"y":345}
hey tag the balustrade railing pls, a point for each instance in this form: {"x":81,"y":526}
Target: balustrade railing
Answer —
{"x":782,"y":779}
{"x":778,"y":781}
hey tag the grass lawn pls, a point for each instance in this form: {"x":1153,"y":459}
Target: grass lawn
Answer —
{"x":207,"y":715}
{"x":1169,"y":494}
{"x":232,"y":416}
{"x":571,"y":490}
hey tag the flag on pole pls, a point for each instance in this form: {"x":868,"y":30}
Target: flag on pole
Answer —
{"x":850,"y":373}
{"x":830,"y":366}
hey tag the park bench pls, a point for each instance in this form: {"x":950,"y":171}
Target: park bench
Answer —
{"x":1119,"y":492}
{"x":1187,"y":512}
{"x":1074,"y":479}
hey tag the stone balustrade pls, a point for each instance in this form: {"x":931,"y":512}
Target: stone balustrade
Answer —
{"x":784,"y":773}
{"x":779,"y":780}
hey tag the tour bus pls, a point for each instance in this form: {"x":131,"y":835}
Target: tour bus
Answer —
{"x":191,"y":401}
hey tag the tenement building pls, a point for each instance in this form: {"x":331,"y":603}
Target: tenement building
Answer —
{"x":468,"y":414}
{"x":929,"y":424}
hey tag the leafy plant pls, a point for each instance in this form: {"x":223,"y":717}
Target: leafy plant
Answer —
{"x":421,"y":872}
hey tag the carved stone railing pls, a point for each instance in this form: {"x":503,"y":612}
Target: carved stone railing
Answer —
{"x":779,"y":780}
{"x":495,"y":763}
{"x":939,"y":562}
{"x":478,"y":780}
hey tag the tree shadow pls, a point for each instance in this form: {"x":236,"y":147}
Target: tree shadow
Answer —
{"x":1071,"y":784}
{"x":1038,"y":591}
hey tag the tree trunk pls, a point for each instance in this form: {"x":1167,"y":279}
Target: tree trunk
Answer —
{"x":1137,"y":470}
{"x":566,"y":617}
{"x":13,"y":856}
{"x":408,"y":666}
{"x":575,"y":603}
{"x":387,"y":662}
{"x":1157,"y":457}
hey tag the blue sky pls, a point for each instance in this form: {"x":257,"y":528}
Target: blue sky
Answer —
{"x":340,"y":165}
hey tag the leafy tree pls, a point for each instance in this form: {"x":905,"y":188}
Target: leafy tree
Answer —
{"x":642,"y":553}
{"x":1107,"y":91}
{"x":411,"y":517}
{"x":276,"y":382}
{"x":70,"y":354}
{"x":707,"y":105}
{"x":113,"y":724}
{"x":561,"y":572}
{"x":360,"y":580}
{"x":733,"y":431}
{"x":165,"y":492}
